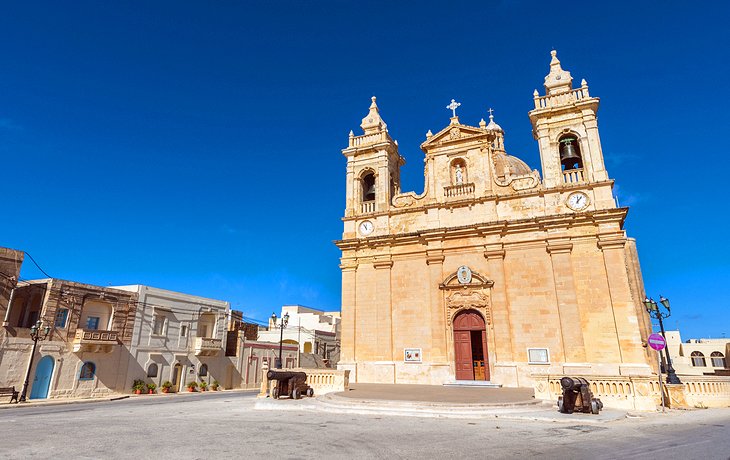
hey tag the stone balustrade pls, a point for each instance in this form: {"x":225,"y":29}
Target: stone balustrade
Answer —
{"x":323,"y":381}
{"x":573,"y":176}
{"x":368,"y":206}
{"x":642,"y":392}
{"x":357,"y":141}
{"x":568,"y":97}
{"x":207,"y":346}
{"x":459,"y":190}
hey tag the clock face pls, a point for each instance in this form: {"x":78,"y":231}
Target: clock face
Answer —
{"x":578,"y":201}
{"x":366,"y":227}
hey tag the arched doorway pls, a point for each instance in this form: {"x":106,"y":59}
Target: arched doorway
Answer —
{"x":42,"y":379}
{"x":177,"y":377}
{"x":470,"y":346}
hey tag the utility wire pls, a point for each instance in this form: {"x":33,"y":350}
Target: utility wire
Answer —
{"x":36,"y":264}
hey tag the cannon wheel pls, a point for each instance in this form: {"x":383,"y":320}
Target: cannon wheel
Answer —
{"x":275,"y":393}
{"x":594,"y":407}
{"x":561,"y":407}
{"x":296,"y":394}
{"x":310,"y":392}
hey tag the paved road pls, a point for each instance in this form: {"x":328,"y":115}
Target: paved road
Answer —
{"x":225,"y":425}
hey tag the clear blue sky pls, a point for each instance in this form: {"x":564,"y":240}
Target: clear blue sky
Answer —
{"x":195,"y":146}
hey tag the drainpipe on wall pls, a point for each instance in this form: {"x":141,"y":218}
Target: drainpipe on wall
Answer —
{"x":6,"y":320}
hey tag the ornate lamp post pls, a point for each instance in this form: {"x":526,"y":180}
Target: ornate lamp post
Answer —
{"x":653,"y":309}
{"x":282,"y":325}
{"x":36,"y":335}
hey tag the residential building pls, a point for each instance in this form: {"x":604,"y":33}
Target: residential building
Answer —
{"x":698,"y":356}
{"x":180,"y":338}
{"x":86,"y":352}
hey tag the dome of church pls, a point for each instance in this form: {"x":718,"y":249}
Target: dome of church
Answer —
{"x":517,"y":167}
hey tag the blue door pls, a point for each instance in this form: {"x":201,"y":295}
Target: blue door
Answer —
{"x":42,"y":379}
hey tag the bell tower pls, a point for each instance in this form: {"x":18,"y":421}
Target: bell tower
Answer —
{"x":373,"y":167}
{"x":565,"y":125}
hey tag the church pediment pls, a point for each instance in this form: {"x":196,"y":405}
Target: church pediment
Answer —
{"x":463,"y":277}
{"x":454,"y":133}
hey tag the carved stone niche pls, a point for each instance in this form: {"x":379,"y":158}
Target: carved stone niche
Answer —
{"x":474,"y":295}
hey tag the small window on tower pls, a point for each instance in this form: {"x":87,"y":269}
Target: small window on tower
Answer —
{"x":570,"y":157}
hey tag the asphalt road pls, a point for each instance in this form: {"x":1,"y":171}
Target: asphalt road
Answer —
{"x":225,"y":425}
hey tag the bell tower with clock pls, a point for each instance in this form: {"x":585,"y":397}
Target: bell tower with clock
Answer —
{"x":373,"y":170}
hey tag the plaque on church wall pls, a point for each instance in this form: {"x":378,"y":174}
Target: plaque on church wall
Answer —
{"x":412,"y":355}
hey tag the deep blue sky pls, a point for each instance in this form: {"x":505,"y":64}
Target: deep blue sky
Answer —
{"x":195,"y":146}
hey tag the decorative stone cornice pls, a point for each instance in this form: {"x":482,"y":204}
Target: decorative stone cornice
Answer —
{"x":435,"y":257}
{"x":348,"y":266}
{"x":380,"y":263}
{"x":560,"y":246}
{"x":612,"y":241}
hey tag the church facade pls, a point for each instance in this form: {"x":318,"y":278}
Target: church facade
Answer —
{"x":495,"y":272}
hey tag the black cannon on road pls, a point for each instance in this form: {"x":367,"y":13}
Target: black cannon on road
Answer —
{"x":289,"y":383}
{"x":577,"y":396}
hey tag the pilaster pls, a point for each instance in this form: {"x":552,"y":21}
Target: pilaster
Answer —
{"x":349,"y":312}
{"x":384,"y":308}
{"x":503,"y":327}
{"x":435,"y":261}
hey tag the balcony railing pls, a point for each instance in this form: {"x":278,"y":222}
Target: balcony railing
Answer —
{"x":573,"y":176}
{"x":87,"y":340}
{"x":568,"y":97}
{"x":207,"y":346}
{"x":458,"y":190}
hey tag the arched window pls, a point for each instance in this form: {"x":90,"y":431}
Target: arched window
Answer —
{"x":698,"y":359}
{"x":152,"y":370}
{"x":570,"y":156}
{"x":203,"y":372}
{"x":368,"y":187}
{"x":717,"y":358}
{"x":87,"y":371}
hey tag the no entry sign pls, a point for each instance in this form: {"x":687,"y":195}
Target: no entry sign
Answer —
{"x":657,"y":342}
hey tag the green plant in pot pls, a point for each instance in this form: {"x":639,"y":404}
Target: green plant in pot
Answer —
{"x":203,"y":385}
{"x":166,"y":385}
{"x":192,"y":386}
{"x":151,"y":387}
{"x":214,"y":386}
{"x":139,"y":386}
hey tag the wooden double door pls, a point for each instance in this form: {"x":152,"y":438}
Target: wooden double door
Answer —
{"x":470,"y":344}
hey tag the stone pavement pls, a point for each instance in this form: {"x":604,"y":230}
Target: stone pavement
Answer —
{"x":437,"y":401}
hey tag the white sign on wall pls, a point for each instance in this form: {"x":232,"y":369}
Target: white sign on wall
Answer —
{"x":412,"y":355}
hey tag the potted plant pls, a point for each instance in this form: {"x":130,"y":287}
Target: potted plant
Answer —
{"x":192,"y":386}
{"x":166,"y":385}
{"x":203,"y":385}
{"x":214,"y":385}
{"x":139,"y":386}
{"x":151,"y":387}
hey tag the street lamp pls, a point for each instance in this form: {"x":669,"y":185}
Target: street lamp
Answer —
{"x":282,"y":325}
{"x":36,"y":335}
{"x":653,"y":309}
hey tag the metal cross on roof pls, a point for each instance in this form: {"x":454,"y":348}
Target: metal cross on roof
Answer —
{"x":453,"y":106}
{"x":490,"y":111}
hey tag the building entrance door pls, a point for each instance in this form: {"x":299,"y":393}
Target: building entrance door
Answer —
{"x":42,"y":379}
{"x":470,"y":346}
{"x":176,"y":377}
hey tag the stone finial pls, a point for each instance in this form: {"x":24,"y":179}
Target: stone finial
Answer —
{"x":535,"y":94}
{"x":482,"y":124}
{"x":558,"y":80}
{"x":352,"y":134}
{"x":429,"y":134}
{"x":583,"y":83}
{"x":373,"y":123}
{"x":396,"y":142}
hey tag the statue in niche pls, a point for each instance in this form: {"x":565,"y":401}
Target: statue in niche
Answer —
{"x":459,"y":174}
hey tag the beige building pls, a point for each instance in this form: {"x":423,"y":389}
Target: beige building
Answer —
{"x":698,"y":356}
{"x":494,"y":272}
{"x":86,"y":352}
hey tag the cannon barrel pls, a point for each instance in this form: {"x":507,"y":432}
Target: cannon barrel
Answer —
{"x":282,"y":375}
{"x":572,"y":383}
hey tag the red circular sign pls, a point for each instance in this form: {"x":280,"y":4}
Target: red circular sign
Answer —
{"x":657,"y":342}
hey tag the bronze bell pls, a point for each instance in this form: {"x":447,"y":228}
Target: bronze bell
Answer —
{"x":569,"y":156}
{"x":370,"y":194}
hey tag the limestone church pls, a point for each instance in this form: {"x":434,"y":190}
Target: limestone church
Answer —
{"x":495,"y":272}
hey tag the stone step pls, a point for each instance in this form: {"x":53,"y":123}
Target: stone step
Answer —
{"x":473,"y":383}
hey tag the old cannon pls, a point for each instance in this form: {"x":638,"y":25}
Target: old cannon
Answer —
{"x":577,"y":396}
{"x":289,"y":383}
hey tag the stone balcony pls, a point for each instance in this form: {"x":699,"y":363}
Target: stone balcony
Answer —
{"x":95,"y":341}
{"x":207,"y":346}
{"x":459,"y":190}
